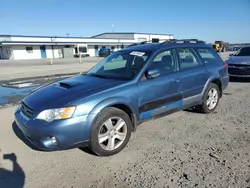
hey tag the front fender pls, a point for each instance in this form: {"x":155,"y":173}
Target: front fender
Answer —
{"x":110,"y":102}
{"x":113,"y":101}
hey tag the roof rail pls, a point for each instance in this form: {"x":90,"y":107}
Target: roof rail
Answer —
{"x":182,"y":41}
{"x":140,"y":43}
{"x":168,"y":41}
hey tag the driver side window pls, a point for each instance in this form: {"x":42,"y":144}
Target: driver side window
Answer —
{"x":164,"y":62}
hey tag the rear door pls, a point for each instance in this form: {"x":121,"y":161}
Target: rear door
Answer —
{"x":214,"y":64}
{"x":161,"y":94}
{"x":194,"y":75}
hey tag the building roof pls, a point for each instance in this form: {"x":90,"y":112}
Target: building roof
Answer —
{"x":115,"y":38}
{"x":107,"y":33}
{"x":129,"y":33}
{"x":6,"y":43}
{"x":32,"y":36}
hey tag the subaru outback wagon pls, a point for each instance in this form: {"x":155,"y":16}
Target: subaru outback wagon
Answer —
{"x":100,"y":109}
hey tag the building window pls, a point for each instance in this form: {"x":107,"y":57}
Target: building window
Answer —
{"x":29,"y":49}
{"x":155,"y":40}
{"x":83,"y":49}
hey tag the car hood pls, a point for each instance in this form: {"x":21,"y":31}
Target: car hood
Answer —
{"x":239,"y":60}
{"x":64,"y":92}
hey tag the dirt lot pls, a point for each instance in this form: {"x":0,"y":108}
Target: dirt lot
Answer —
{"x":185,"y":149}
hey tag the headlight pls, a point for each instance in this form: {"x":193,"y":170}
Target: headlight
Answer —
{"x":59,"y":113}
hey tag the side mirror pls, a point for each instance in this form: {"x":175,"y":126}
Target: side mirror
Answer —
{"x":152,"y":73}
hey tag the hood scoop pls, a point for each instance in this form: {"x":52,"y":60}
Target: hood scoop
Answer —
{"x":65,"y":85}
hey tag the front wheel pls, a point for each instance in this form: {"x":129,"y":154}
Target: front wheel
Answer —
{"x":110,"y":132}
{"x":210,"y":100}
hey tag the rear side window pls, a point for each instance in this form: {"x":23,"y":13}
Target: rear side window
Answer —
{"x":187,"y":58}
{"x":209,"y":56}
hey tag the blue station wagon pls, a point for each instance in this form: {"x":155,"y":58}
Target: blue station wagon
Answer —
{"x":100,"y":109}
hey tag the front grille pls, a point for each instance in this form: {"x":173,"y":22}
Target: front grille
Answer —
{"x":27,"y":110}
{"x":239,"y":71}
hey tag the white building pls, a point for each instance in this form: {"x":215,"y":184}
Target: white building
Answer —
{"x":37,"y":47}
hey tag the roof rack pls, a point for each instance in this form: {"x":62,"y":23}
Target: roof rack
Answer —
{"x":182,"y":41}
{"x":169,"y":41}
{"x":140,"y":43}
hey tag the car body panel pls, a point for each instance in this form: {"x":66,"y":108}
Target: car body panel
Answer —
{"x":64,"y":92}
{"x":193,"y":80}
{"x":144,"y":98}
{"x":159,"y":95}
{"x":64,"y":130}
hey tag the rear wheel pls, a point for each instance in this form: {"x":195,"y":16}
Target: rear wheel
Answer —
{"x":210,"y":100}
{"x":111,"y":132}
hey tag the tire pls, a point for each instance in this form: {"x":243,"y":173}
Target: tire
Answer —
{"x":204,"y":107}
{"x":104,"y":131}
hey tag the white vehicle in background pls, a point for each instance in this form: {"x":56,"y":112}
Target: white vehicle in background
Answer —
{"x":81,"y":50}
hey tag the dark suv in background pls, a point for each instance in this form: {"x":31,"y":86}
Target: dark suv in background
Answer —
{"x":102,"y":108}
{"x":104,"y":52}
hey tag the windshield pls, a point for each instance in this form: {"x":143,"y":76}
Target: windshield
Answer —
{"x":124,"y":65}
{"x":245,"y":51}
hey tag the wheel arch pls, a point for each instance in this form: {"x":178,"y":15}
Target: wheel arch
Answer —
{"x":214,"y":80}
{"x":120,"y":103}
{"x":217,"y":81}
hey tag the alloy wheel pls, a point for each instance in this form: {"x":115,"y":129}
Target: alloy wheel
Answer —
{"x":212,"y":98}
{"x":112,"y":133}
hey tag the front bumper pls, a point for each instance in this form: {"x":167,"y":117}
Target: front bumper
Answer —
{"x":239,"y":71}
{"x":56,"y":135}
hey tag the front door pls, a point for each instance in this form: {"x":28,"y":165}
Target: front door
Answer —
{"x":43,"y":51}
{"x":161,"y":94}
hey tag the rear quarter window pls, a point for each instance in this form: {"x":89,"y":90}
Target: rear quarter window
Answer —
{"x":208,"y":56}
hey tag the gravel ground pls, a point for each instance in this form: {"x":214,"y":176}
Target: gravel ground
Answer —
{"x":184,"y":149}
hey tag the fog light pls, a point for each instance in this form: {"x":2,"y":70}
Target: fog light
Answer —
{"x":50,"y":142}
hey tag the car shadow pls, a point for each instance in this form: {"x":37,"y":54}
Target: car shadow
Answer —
{"x":20,"y":135}
{"x":87,"y":150}
{"x":194,"y":110}
{"x":12,"y":178}
{"x":237,"y":79}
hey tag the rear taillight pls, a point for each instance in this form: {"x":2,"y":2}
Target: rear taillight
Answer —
{"x":225,"y":65}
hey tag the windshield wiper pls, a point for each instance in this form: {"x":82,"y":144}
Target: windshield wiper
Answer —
{"x":98,"y":75}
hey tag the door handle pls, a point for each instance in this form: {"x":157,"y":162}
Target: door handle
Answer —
{"x":176,"y":80}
